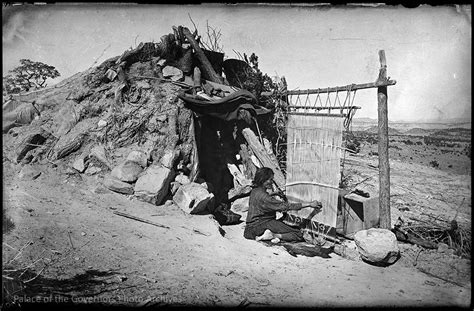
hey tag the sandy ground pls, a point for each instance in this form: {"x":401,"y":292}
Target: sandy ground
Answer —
{"x":79,"y":251}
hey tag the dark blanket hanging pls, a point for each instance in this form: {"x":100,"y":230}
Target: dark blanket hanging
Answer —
{"x":226,"y":108}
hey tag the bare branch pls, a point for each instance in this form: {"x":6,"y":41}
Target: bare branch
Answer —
{"x":195,"y":28}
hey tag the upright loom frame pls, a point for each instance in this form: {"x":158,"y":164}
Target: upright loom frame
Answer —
{"x":308,"y":220}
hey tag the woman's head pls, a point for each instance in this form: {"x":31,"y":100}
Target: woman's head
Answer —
{"x":263,"y":176}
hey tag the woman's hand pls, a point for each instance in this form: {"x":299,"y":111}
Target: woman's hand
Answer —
{"x":315,"y":204}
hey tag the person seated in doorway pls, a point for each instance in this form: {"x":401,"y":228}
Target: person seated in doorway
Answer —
{"x":261,"y":222}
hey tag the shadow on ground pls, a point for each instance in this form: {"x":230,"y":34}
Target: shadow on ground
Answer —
{"x":24,"y":287}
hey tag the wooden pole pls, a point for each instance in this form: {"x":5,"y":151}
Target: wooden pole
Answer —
{"x":351,"y":87}
{"x":206,"y":65}
{"x":384,"y":167}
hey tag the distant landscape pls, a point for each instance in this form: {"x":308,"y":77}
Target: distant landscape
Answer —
{"x":359,"y":124}
{"x":445,"y":145}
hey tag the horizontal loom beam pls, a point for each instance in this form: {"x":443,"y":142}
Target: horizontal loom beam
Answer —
{"x":350,"y":87}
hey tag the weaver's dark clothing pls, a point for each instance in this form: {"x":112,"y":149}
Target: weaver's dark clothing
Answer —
{"x":262,"y":215}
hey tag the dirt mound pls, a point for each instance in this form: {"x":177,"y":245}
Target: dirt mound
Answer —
{"x":93,"y":120}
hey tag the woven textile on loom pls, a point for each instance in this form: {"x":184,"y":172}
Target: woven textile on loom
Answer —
{"x":313,"y":167}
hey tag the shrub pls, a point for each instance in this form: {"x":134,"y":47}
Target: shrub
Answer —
{"x":434,"y":163}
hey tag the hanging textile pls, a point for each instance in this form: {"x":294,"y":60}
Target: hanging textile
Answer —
{"x":313,"y":169}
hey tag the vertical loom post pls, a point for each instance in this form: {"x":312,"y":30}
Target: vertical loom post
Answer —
{"x":384,"y":167}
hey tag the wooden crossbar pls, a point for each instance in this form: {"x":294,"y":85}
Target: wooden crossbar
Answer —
{"x":342,"y":115}
{"x":325,"y":107}
{"x":350,"y":87}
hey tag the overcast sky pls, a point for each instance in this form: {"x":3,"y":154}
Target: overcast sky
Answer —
{"x":428,"y":49}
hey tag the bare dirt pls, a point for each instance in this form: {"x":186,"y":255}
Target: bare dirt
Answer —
{"x":63,"y":240}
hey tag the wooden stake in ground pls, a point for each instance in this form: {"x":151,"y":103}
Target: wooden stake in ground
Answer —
{"x":384,"y":167}
{"x":206,"y":65}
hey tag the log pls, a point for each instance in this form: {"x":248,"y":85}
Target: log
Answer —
{"x":250,"y":168}
{"x":261,"y":153}
{"x":205,"y":64}
{"x":384,"y":167}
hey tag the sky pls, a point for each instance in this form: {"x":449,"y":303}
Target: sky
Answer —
{"x":428,"y":48}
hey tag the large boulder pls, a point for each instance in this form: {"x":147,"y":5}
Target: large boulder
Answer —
{"x":128,"y":171}
{"x":153,"y":185}
{"x":23,"y":114}
{"x":378,"y":246}
{"x":193,"y":198}
{"x":117,"y":185}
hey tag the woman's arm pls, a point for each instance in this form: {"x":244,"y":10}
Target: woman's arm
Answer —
{"x":272,"y":204}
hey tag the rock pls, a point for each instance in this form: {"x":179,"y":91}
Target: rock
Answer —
{"x":111,"y":75}
{"x":377,"y":245}
{"x":79,"y":164}
{"x":101,"y":124}
{"x":240,"y":205}
{"x":347,"y":249}
{"x":182,"y":179}
{"x":169,"y":158}
{"x":128,"y":171}
{"x":117,"y":185}
{"x":174,"y":186}
{"x":173,"y":73}
{"x":70,"y":171}
{"x":139,"y":157}
{"x":73,"y":139}
{"x":207,"y":185}
{"x":100,"y":189}
{"x":91,"y":170}
{"x":142,"y":84}
{"x":99,"y":153}
{"x":443,"y":247}
{"x":153,"y":185}
{"x":400,"y":202}
{"x":450,"y":252}
{"x":193,"y":198}
{"x":29,"y":172}
{"x":64,"y":120}
{"x":161,"y":62}
{"x":161,"y":117}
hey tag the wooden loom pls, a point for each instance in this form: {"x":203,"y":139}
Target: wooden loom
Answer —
{"x":314,"y":151}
